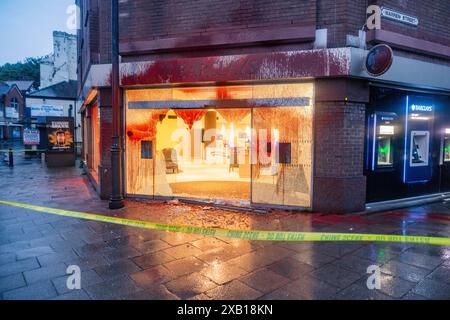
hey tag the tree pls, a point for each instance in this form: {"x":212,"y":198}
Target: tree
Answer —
{"x":29,"y":69}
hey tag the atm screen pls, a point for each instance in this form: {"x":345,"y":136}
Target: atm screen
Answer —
{"x":420,"y":148}
{"x":447,"y":149}
{"x":385,"y":154}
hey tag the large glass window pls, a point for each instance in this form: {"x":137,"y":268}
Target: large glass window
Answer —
{"x":221,"y":143}
{"x":93,"y":140}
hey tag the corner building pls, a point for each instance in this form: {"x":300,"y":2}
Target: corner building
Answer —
{"x":267,"y":103}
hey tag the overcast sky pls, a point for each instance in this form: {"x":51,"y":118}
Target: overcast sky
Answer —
{"x":26,"y":27}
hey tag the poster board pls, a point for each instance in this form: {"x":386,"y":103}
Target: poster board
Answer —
{"x":31,"y":137}
{"x":60,"y":135}
{"x":60,"y":142}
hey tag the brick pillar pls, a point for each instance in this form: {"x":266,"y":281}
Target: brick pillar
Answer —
{"x":105,"y":142}
{"x":339,"y":182}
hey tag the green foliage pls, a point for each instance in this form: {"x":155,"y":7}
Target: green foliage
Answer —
{"x":25,"y":70}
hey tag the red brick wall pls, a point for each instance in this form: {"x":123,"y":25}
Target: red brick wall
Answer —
{"x":163,"y":19}
{"x":15,"y":93}
{"x":339,"y":183}
{"x":433,"y":15}
{"x":147,"y":19}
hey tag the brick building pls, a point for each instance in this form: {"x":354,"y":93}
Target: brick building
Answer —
{"x":12,"y":108}
{"x":268,"y":103}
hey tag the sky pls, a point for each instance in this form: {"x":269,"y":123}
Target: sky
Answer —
{"x":26,"y":27}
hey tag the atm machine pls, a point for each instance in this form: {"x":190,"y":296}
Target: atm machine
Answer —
{"x":382,"y":129}
{"x":446,"y":147}
{"x":419,"y":119}
{"x":444,"y":159}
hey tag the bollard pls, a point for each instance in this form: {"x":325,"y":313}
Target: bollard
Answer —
{"x":11,"y":159}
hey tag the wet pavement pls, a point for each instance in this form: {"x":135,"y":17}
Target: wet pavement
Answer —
{"x":119,"y":262}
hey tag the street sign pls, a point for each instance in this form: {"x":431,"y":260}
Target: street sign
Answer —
{"x":47,"y":111}
{"x":399,"y":17}
{"x":31,"y":137}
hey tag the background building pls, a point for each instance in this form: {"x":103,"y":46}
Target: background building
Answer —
{"x":292,"y":68}
{"x":61,"y":65}
{"x":57,"y":96}
{"x":12,"y":107}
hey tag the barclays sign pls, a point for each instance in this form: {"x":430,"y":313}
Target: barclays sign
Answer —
{"x":423,"y":108}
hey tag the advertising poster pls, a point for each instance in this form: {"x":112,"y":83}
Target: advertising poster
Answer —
{"x":60,"y":135}
{"x":31,"y":137}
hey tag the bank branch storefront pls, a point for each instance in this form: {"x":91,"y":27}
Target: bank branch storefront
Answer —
{"x":240,"y":144}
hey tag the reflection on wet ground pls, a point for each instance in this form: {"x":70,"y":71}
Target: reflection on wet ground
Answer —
{"x":119,"y":262}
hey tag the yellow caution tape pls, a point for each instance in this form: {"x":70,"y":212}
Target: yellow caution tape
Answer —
{"x":239,"y":234}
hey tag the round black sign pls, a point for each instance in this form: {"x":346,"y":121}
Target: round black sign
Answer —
{"x":379,"y":60}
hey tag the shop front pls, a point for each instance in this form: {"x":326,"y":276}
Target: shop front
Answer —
{"x":240,"y":144}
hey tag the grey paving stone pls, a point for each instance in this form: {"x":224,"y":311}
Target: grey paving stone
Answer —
{"x":183,"y":251}
{"x":45,"y":273}
{"x":121,"y":254}
{"x":38,"y":291}
{"x":420,"y":260}
{"x":7,"y":258}
{"x":441,"y":273}
{"x":152,"y":276}
{"x":153,"y":259}
{"x":219,"y":255}
{"x":222,"y":273}
{"x":73,"y":295}
{"x":413,"y":296}
{"x":433,"y":289}
{"x":121,"y":286}
{"x":251,"y":261}
{"x":190,"y":285}
{"x":13,"y":247}
{"x":336,"y":276}
{"x":264,"y":280}
{"x":12,"y":282}
{"x":87,"y":263}
{"x":55,"y":258}
{"x":436,"y":251}
{"x":88,"y":278}
{"x":405,"y":271}
{"x":151,"y":246}
{"x":234,"y":290}
{"x":358,"y":292}
{"x":93,"y":249}
{"x":378,"y":253}
{"x":157,"y":292}
{"x":117,"y":269}
{"x":185,"y":266}
{"x":307,"y":287}
{"x":337,"y":250}
{"x":33,"y":252}
{"x":313,"y":258}
{"x":394,"y":287}
{"x":18,"y":266}
{"x":353,"y":263}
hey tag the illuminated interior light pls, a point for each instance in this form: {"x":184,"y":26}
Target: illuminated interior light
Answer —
{"x":248,"y":132}
{"x":232,"y":135}
{"x":374,"y":141}
{"x":387,"y":130}
{"x":447,"y":130}
{"x":405,"y":156}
